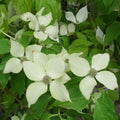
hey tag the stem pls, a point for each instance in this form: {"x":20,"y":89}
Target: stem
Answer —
{"x":53,"y":115}
{"x":7,"y":35}
{"x":59,"y":114}
{"x":18,"y":100}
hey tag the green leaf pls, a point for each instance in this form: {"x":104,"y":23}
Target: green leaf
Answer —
{"x":118,"y":77}
{"x":78,"y":101}
{"x":4,"y":80}
{"x":46,"y":116}
{"x":78,"y":50}
{"x":107,"y":6}
{"x":4,"y":46}
{"x":22,"y":6}
{"x":65,"y":41}
{"x":112,"y":32}
{"x":7,"y":99}
{"x":12,"y":19}
{"x":3,"y":17}
{"x":4,"y":59}
{"x":18,"y":83}
{"x":53,"y":49}
{"x":39,"y":107}
{"x":104,"y":108}
{"x":114,"y":95}
{"x":10,"y":110}
{"x":107,"y":3}
{"x":26,"y":38}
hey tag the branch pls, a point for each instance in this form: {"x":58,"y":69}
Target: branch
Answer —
{"x":7,"y":35}
{"x":18,"y":100}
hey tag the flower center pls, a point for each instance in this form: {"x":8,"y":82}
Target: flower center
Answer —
{"x":42,"y":28}
{"x":23,"y":59}
{"x":47,"y":79}
{"x":92,"y":72}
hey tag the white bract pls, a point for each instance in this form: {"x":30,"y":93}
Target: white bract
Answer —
{"x":100,"y":35}
{"x":46,"y":71}
{"x":81,"y":15}
{"x":80,"y":67}
{"x":40,"y":24}
{"x":17,"y":118}
{"x":67,"y":30}
{"x":65,"y":56}
{"x":17,"y":51}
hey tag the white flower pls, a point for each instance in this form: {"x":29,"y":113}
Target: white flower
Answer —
{"x":17,"y":51}
{"x":40,"y":23}
{"x":17,"y":118}
{"x":81,"y":16}
{"x":46,"y":71}
{"x":80,"y":67}
{"x":67,"y":30}
{"x":100,"y":35}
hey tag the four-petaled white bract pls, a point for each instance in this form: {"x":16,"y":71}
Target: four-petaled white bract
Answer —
{"x":17,"y":51}
{"x":44,"y":70}
{"x":40,"y":24}
{"x":80,"y":67}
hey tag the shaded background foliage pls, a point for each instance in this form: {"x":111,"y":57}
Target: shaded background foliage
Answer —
{"x":102,"y":13}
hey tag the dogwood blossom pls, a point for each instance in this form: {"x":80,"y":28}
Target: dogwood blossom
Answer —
{"x":40,"y":23}
{"x":46,"y":71}
{"x":81,"y":15}
{"x":17,"y":51}
{"x":80,"y":67}
{"x":67,"y":30}
{"x":17,"y":118}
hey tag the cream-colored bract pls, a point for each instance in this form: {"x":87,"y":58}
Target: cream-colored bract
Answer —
{"x":100,"y":35}
{"x":17,"y":50}
{"x":34,"y":91}
{"x":86,"y":86}
{"x":81,"y":16}
{"x":34,"y":71}
{"x":13,"y":65}
{"x":100,"y":61}
{"x":67,"y":29}
{"x":31,"y":49}
{"x":108,"y":79}
{"x":80,"y":67}
{"x":59,"y":91}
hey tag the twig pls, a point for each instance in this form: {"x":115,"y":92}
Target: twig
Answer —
{"x":7,"y":35}
{"x":59,"y":114}
{"x":18,"y":100}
